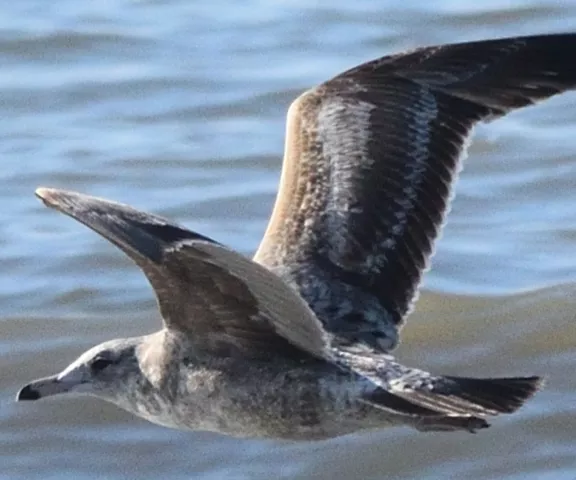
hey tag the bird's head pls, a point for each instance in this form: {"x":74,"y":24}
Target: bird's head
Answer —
{"x":101,"y":371}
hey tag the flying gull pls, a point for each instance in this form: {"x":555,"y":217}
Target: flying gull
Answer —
{"x":296,"y":343}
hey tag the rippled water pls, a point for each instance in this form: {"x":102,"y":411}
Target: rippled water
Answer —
{"x":178,"y":107}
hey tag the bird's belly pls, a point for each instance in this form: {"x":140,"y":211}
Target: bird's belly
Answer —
{"x":302,"y":408}
{"x":272,"y":421}
{"x":294,"y":405}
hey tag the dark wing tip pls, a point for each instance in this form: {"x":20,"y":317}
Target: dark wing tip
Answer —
{"x":27,"y":393}
{"x":134,"y":231}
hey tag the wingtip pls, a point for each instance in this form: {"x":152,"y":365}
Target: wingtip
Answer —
{"x":49,"y":196}
{"x":43,"y":192}
{"x":66,"y":201}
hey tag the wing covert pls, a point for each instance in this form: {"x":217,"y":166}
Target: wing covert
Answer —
{"x":370,"y":162}
{"x":224,"y":303}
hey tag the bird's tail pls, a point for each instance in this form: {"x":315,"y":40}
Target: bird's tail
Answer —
{"x":437,"y":402}
{"x":495,"y":395}
{"x":457,"y":403}
{"x":469,"y":396}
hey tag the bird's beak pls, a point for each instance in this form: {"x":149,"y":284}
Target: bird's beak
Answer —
{"x":48,"y":386}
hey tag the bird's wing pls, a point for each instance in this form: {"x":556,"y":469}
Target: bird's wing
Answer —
{"x":370,"y":161}
{"x":224,"y":303}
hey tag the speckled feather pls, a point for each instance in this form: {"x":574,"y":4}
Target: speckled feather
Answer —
{"x":295,"y":346}
{"x":225,"y":303}
{"x":371,"y":158}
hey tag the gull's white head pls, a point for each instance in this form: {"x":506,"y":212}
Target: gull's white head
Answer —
{"x":102,"y":371}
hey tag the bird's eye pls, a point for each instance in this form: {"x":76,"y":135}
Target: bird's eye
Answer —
{"x":99,"y":364}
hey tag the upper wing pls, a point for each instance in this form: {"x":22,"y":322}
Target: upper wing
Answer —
{"x":225,"y":303}
{"x":370,"y":160}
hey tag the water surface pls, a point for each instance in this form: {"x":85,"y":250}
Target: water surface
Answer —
{"x":178,"y":107}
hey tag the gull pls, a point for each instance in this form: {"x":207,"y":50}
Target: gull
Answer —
{"x":296,"y":343}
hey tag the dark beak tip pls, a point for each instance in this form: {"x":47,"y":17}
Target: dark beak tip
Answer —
{"x":27,"y":393}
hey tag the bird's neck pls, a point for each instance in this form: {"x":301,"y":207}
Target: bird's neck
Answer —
{"x":157,"y":355}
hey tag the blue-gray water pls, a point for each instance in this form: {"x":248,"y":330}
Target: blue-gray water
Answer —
{"x":178,"y":107}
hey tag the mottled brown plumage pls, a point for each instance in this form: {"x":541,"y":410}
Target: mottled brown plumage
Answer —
{"x":371,"y":158}
{"x":296,"y":343}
